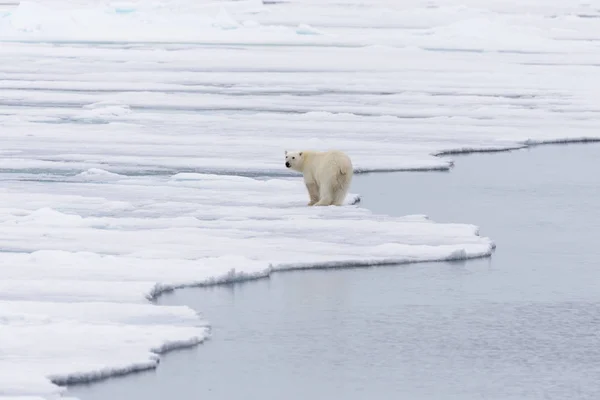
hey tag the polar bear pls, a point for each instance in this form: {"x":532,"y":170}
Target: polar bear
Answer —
{"x":327,"y":174}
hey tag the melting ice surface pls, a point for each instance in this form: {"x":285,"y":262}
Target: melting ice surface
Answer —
{"x":136,"y":138}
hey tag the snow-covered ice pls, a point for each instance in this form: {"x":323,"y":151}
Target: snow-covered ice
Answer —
{"x":142,"y":150}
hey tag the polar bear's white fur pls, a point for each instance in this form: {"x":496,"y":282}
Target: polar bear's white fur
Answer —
{"x":327,"y":174}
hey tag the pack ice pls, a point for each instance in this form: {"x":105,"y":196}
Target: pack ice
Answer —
{"x":142,"y":150}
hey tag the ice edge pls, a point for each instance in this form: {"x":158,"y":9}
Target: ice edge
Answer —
{"x":517,"y":146}
{"x":233,"y":277}
{"x":106,"y":373}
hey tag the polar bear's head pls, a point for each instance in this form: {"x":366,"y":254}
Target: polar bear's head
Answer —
{"x":294,"y":160}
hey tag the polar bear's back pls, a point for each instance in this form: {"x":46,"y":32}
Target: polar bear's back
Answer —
{"x":326,"y":165}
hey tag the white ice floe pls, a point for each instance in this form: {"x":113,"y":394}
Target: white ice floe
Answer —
{"x":82,"y":257}
{"x":142,"y":148}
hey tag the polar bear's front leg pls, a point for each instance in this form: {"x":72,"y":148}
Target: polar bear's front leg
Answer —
{"x":326,"y":197}
{"x":313,"y":192}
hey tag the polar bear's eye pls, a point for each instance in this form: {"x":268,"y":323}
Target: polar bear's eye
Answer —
{"x":293,"y":158}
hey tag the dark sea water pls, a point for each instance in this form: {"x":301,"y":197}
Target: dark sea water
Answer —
{"x":522,"y":325}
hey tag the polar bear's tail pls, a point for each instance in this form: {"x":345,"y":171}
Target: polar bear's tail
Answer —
{"x":344,"y":163}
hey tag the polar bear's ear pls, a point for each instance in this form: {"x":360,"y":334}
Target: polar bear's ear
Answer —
{"x":286,"y":152}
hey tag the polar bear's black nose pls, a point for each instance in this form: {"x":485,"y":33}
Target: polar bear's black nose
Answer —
{"x":287,"y":164}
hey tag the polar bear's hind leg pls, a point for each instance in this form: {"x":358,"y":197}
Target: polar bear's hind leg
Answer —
{"x":341,"y":188}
